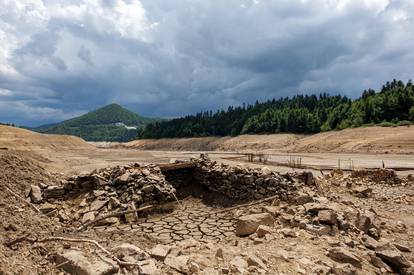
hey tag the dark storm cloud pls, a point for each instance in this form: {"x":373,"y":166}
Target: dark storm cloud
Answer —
{"x":170,"y":58}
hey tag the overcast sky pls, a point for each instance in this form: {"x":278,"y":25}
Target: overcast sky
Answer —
{"x":61,"y":58}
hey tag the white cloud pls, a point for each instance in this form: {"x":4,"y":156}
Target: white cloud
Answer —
{"x":5,"y":92}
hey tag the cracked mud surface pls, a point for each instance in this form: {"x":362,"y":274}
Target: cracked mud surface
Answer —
{"x":192,"y":219}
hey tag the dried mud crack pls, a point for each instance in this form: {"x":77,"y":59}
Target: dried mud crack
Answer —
{"x":188,"y":221}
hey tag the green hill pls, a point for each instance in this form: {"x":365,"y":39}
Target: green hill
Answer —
{"x":109,"y":123}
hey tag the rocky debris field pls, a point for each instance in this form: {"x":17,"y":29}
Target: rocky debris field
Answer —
{"x":339,"y":223}
{"x":85,"y":198}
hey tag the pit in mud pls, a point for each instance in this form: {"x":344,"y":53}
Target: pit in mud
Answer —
{"x":190,"y":198}
{"x":197,"y":214}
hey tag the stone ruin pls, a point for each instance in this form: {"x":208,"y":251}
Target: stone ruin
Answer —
{"x":134,"y":186}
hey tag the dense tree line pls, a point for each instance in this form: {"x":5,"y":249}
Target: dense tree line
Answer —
{"x":394,"y":104}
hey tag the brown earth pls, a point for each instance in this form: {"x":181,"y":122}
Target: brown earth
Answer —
{"x":296,"y":243}
{"x":21,"y":139}
{"x":397,"y":140}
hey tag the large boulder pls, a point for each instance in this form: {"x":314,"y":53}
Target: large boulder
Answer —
{"x":393,"y":257}
{"x":239,"y":265}
{"x":160,"y":252}
{"x":263,"y":230}
{"x":365,"y":221}
{"x":248,"y":224}
{"x":36,"y":194}
{"x":130,"y":252}
{"x":327,"y":217}
{"x":78,"y":263}
{"x":178,"y":263}
{"x":148,"y":267}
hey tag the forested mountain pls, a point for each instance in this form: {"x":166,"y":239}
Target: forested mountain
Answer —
{"x":394,"y":104}
{"x":109,"y":123}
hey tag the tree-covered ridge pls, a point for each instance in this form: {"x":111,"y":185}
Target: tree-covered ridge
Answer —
{"x":299,"y":114}
{"x":104,"y":124}
{"x":109,"y":114}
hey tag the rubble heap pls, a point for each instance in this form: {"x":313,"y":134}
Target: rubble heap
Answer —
{"x":241,"y":183}
{"x":114,"y":189}
{"x":383,"y":176}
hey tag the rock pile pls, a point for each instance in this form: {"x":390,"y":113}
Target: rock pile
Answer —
{"x":241,"y":183}
{"x":114,"y":189}
{"x":383,"y":176}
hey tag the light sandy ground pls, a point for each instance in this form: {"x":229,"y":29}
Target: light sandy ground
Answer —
{"x":71,"y":154}
{"x":397,"y":140}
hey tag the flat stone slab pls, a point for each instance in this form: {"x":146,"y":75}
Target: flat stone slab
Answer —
{"x":76,"y":262}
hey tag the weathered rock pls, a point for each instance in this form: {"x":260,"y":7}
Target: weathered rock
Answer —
{"x":247,"y":225}
{"x":315,"y":207}
{"x":402,"y":248}
{"x":365,"y":221}
{"x":148,"y":189}
{"x":253,"y":260}
{"x":219,"y":253}
{"x":88,"y":217}
{"x":77,"y":263}
{"x":272,"y":210}
{"x":148,"y":267}
{"x":369,"y":242}
{"x":238,"y":265}
{"x":130,"y":250}
{"x":178,"y":263}
{"x":36,"y":194}
{"x":362,"y":191}
{"x":377,"y":262}
{"x":160,"y":251}
{"x":98,"y":204}
{"x":392,"y":256}
{"x":342,"y":255}
{"x":224,"y":270}
{"x":131,"y":217}
{"x":47,"y":208}
{"x":124,"y":178}
{"x":319,"y":229}
{"x":213,"y":271}
{"x":302,"y":198}
{"x":108,"y":221}
{"x":53,"y":192}
{"x":288,"y":232}
{"x":263,"y":230}
{"x":327,"y":217}
{"x":344,"y":269}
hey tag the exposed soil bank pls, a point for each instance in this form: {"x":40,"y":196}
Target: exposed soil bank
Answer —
{"x":397,"y":140}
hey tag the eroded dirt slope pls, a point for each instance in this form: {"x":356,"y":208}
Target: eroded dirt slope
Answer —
{"x":21,"y":139}
{"x":359,"y":140}
{"x":398,"y":140}
{"x":244,"y":142}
